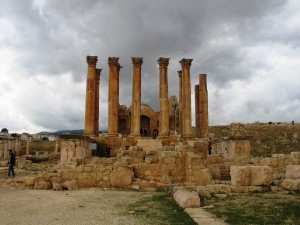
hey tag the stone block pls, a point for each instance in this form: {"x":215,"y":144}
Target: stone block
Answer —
{"x":120,"y":177}
{"x":292,"y":172}
{"x":291,"y":184}
{"x":201,"y":176}
{"x":260,"y":176}
{"x":21,"y":163}
{"x":120,"y":164}
{"x":187,"y":199}
{"x":70,"y":185}
{"x":56,"y":186}
{"x":219,"y":189}
{"x":240,"y":175}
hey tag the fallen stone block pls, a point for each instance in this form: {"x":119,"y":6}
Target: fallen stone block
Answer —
{"x":187,"y":199}
{"x":202,"y":177}
{"x":121,"y":176}
{"x":260,"y":176}
{"x":240,"y":175}
{"x":70,"y":185}
{"x":56,"y":186}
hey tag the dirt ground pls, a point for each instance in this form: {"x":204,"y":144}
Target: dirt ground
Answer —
{"x":87,"y":206}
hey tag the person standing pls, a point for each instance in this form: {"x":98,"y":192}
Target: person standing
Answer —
{"x":11,"y":163}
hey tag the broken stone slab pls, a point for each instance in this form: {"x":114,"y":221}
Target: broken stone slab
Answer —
{"x":187,"y":199}
{"x":70,"y":185}
{"x":291,"y":184}
{"x":292,"y":172}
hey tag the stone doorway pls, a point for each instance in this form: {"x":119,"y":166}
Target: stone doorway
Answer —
{"x":145,"y":126}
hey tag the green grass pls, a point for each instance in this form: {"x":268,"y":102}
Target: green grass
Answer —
{"x":159,"y":208}
{"x":259,"y":209}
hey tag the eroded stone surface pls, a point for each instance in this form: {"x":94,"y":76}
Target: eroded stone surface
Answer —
{"x":187,"y":199}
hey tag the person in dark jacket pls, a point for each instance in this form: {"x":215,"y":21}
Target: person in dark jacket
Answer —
{"x":11,"y":163}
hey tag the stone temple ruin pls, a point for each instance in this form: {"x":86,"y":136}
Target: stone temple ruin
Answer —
{"x":178,"y":157}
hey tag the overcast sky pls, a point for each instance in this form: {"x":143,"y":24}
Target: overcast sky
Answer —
{"x":249,"y":50}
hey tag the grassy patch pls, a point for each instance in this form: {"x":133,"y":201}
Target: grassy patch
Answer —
{"x":159,"y":208}
{"x":263,"y":208}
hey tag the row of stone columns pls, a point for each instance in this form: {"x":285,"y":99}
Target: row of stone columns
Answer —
{"x":185,"y":119}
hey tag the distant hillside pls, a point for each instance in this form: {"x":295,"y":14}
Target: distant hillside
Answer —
{"x":62,"y":132}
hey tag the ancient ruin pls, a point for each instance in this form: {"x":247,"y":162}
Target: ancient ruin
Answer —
{"x":129,"y":157}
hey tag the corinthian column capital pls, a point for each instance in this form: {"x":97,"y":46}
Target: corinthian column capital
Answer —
{"x":186,"y":63}
{"x":98,"y":73}
{"x":92,"y":60}
{"x":113,"y":61}
{"x":163,"y":62}
{"x":179,"y":73}
{"x":137,"y":61}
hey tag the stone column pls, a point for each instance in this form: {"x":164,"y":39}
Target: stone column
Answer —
{"x":90,"y":108}
{"x":113,"y":97}
{"x":163,"y":97}
{"x":187,"y":131}
{"x":180,"y":101}
{"x":98,"y":74}
{"x":197,"y":105}
{"x":136,"y":97}
{"x":118,"y":94}
{"x":203,"y":106}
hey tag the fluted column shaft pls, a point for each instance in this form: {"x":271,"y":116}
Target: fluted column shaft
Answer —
{"x":136,"y":96}
{"x":90,"y":109}
{"x":98,"y":74}
{"x":118,"y":94}
{"x":113,"y":97}
{"x":186,"y":98}
{"x":164,"y":129}
{"x":180,"y":100}
{"x":197,"y":110}
{"x":203,"y":106}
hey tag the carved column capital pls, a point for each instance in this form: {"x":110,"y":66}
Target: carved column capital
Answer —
{"x":137,"y":61}
{"x":92,"y":60}
{"x":98,"y":73}
{"x":113,"y":61}
{"x":163,"y":62}
{"x":179,"y":73}
{"x":186,"y":63}
{"x":119,"y":67}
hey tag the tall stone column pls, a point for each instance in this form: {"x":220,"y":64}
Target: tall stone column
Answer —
{"x":98,"y":74}
{"x":180,"y":100}
{"x":118,"y":94}
{"x":163,"y":97}
{"x":197,"y":109}
{"x":187,"y":131}
{"x":136,"y":97}
{"x":113,"y":97}
{"x":90,"y":109}
{"x":203,"y":106}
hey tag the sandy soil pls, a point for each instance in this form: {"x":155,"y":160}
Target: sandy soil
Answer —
{"x":86,"y":206}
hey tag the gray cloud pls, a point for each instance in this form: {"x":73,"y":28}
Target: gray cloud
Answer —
{"x":231,"y":41}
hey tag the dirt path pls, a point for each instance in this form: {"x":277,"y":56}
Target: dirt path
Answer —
{"x":87,"y":206}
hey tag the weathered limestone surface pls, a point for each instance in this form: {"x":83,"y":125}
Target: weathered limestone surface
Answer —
{"x":187,"y":199}
{"x":197,"y":111}
{"x":120,"y":177}
{"x":250,"y":175}
{"x":292,"y":172}
{"x":291,"y":184}
{"x":180,"y":101}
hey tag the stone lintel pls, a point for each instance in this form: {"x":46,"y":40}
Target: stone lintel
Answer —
{"x":137,"y":61}
{"x":163,"y":62}
{"x":92,"y":60}
{"x":113,"y":61}
{"x":186,"y":63}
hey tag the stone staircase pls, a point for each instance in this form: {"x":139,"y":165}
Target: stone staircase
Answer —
{"x":149,"y":144}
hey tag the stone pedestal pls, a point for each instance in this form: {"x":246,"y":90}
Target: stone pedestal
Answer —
{"x":187,"y":131}
{"x":136,"y":97}
{"x":90,"y":109}
{"x":203,"y":106}
{"x":180,"y":101}
{"x":163,"y":97}
{"x":113,"y":97}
